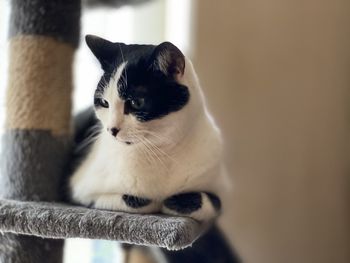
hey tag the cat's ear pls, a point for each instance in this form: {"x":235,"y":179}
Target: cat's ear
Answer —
{"x":104,"y":50}
{"x":168,"y":59}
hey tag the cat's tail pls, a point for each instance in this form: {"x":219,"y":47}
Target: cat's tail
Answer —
{"x":212,"y":247}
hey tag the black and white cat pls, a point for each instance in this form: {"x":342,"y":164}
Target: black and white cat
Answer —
{"x":158,"y":149}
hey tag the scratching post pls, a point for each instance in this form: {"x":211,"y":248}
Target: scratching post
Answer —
{"x":43,"y":37}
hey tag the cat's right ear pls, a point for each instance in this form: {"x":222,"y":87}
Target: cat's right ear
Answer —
{"x":168,"y":59}
{"x":104,"y":50}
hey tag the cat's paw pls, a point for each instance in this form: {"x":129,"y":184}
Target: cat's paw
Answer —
{"x":125,"y":203}
{"x":197,"y":205}
{"x":136,"y":202}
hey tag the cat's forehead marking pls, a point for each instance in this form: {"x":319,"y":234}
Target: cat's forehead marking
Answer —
{"x":111,"y":93}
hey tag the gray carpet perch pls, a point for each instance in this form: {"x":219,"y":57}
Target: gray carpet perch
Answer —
{"x":55,"y":220}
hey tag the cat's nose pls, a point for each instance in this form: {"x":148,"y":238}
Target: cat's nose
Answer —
{"x":114,"y":131}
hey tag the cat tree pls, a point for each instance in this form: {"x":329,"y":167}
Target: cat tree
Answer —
{"x":36,"y":148}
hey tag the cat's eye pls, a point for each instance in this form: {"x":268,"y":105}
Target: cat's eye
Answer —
{"x":138,"y":103}
{"x":102,"y":102}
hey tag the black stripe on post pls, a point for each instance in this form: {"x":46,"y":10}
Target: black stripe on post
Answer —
{"x":59,"y":19}
{"x":35,"y":162}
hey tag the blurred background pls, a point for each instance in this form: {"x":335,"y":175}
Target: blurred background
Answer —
{"x":276,"y":75}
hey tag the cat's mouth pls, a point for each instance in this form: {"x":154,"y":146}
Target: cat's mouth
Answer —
{"x":125,"y":141}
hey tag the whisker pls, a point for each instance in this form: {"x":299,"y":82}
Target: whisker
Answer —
{"x":149,"y":157}
{"x":154,"y":153}
{"x":164,"y":139}
{"x":126,"y":73}
{"x":95,"y":132}
{"x":154,"y":150}
{"x":160,"y":150}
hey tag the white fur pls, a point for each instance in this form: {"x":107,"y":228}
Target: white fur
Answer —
{"x":188,"y":159}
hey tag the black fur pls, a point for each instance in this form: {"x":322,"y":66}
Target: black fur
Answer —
{"x":215,"y":201}
{"x":162,"y":94}
{"x":212,"y":247}
{"x":184,"y":203}
{"x":135,"y":202}
{"x":150,"y":73}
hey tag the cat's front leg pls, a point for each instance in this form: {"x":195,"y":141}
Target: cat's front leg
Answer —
{"x":200,"y":206}
{"x":125,"y":203}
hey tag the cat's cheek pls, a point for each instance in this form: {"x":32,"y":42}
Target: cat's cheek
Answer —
{"x":102,"y":115}
{"x":130,"y":124}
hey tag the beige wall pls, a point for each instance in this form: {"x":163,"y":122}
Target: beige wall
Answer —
{"x":277,"y":77}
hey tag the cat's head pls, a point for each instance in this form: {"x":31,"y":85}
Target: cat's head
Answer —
{"x":145,"y":94}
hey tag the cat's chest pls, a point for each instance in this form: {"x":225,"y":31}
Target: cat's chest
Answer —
{"x":121,"y":169}
{"x":134,"y":172}
{"x":141,"y":167}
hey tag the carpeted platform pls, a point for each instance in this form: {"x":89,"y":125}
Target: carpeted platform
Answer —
{"x":57,"y":220}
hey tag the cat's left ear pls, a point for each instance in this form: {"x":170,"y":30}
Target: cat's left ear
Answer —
{"x":168,"y":59}
{"x":104,"y":50}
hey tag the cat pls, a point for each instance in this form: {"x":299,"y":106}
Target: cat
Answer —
{"x":157,"y":149}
